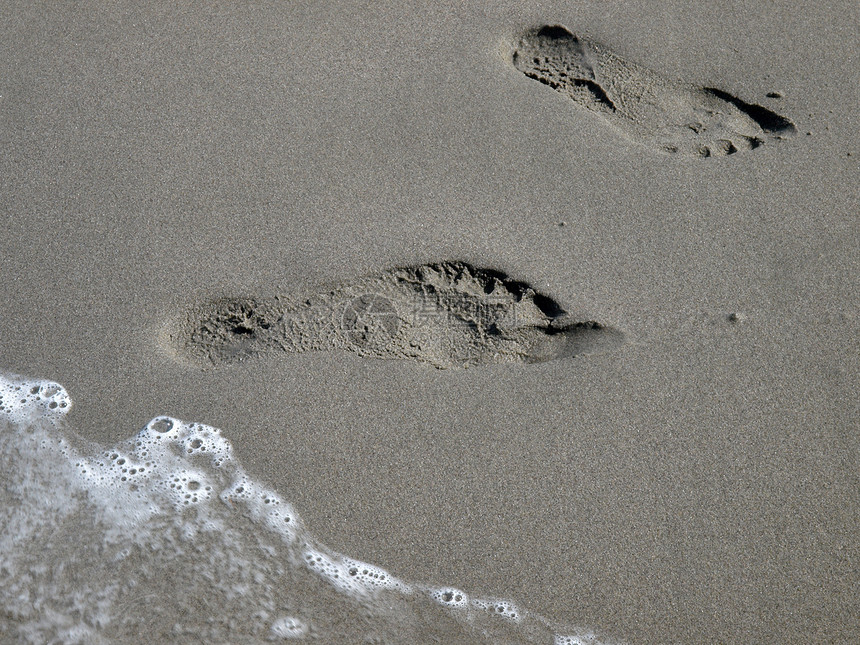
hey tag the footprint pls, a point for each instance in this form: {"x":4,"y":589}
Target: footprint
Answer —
{"x":447,"y":315}
{"x":646,"y":106}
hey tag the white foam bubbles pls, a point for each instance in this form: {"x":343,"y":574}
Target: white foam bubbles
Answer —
{"x":333,"y":570}
{"x":450,"y":597}
{"x":584,"y":638}
{"x":289,"y":627}
{"x":352,"y":576}
{"x":170,"y":465}
{"x":166,"y":532}
{"x":372,"y":577}
{"x":25,"y":401}
{"x":190,"y":487}
{"x":499,"y":607}
{"x":263,"y":506}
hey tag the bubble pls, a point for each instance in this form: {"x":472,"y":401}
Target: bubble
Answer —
{"x":49,"y":390}
{"x":502,"y":608}
{"x":189,"y":487}
{"x":585,"y":638}
{"x":289,"y":627}
{"x":161,"y":425}
{"x":333,"y":571}
{"x":25,"y":400}
{"x":450,"y":597}
{"x":372,"y":576}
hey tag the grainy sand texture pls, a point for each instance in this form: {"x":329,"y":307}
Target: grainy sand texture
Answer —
{"x":549,"y":302}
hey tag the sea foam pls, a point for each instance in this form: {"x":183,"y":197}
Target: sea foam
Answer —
{"x":165,"y":538}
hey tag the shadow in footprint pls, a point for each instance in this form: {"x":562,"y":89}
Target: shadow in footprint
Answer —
{"x":448,"y":314}
{"x":646,"y":106}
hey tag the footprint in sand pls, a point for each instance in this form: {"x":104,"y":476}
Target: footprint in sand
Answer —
{"x":646,"y":106}
{"x":447,"y":315}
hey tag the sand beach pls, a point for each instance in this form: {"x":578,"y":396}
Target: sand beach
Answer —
{"x":635,"y":408}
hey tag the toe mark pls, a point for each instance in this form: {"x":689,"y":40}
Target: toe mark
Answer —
{"x":755,"y":142}
{"x":596,"y":91}
{"x":555,"y":32}
{"x":767,"y":120}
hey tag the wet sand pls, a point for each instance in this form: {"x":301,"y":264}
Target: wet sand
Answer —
{"x":697,"y":484}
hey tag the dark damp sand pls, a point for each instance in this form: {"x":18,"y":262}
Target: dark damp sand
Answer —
{"x":698,"y":485}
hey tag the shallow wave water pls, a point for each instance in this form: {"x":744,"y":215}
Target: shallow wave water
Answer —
{"x":165,"y":538}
